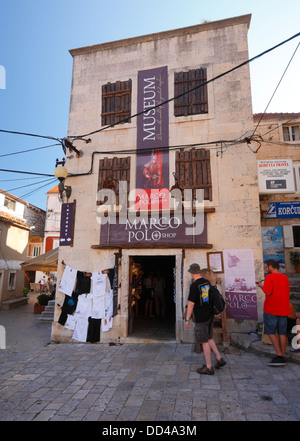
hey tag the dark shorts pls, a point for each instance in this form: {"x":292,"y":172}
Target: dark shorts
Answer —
{"x":148,"y":294}
{"x":203,"y":331}
{"x":275,"y":323}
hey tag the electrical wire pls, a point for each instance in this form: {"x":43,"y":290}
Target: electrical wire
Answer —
{"x":38,"y":189}
{"x":30,"y":134}
{"x":28,"y":185}
{"x":188,"y":91}
{"x":25,"y":172}
{"x":276,"y":87}
{"x":29,"y":150}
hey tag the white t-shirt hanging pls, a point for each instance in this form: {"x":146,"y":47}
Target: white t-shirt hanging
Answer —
{"x":70,"y":322}
{"x":81,"y":329}
{"x":98,"y":307}
{"x":84,"y":305}
{"x":67,"y":282}
{"x":99,"y":281}
{"x":106,"y":324}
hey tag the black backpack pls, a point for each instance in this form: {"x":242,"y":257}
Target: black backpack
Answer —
{"x":217,"y":301}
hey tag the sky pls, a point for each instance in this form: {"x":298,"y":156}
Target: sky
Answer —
{"x":35,"y":39}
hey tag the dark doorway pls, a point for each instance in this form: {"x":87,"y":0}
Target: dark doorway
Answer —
{"x":152,"y":318}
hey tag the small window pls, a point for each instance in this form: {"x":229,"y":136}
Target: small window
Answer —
{"x":9,"y":204}
{"x":196,"y":101}
{"x":291,"y":133}
{"x":116,"y":102}
{"x":36,"y":251}
{"x":296,"y":168}
{"x":12,"y":281}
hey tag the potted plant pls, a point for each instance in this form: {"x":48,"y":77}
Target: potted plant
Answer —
{"x":295,"y":260}
{"x":42,"y":302}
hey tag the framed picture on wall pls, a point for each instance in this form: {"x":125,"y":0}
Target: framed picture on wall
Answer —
{"x":215,"y":261}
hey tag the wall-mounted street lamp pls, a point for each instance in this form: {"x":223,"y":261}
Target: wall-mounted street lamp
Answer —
{"x":61,"y":174}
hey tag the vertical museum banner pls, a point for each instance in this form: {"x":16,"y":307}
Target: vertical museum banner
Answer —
{"x":67,"y":224}
{"x":152,"y":165}
{"x":240,"y":287}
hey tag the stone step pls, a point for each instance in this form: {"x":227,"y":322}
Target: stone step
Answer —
{"x":47,"y":316}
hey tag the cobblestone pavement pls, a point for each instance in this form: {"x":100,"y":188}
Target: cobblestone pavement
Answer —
{"x":137,"y":382}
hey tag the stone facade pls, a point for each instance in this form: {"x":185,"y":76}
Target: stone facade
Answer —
{"x":280,"y":131}
{"x":233,"y":213}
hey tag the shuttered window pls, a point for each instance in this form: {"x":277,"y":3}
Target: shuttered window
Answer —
{"x":116,"y":102}
{"x":111,"y":172}
{"x":193,"y":171}
{"x":196,"y":101}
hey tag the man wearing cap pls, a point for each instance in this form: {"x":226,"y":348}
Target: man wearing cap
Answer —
{"x":199,"y":303}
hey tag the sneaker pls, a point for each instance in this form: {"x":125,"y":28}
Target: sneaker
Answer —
{"x":277,"y":361}
{"x":220,"y":363}
{"x":205,"y":370}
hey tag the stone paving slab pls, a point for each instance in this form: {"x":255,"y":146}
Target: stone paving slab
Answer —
{"x":138,"y":382}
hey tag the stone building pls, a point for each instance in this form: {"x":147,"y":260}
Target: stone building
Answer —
{"x":153,"y":144}
{"x":279,"y":171}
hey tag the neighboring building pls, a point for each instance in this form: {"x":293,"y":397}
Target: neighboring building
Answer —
{"x":52,"y":224}
{"x":279,"y":169}
{"x":14,"y":236}
{"x":116,"y":80}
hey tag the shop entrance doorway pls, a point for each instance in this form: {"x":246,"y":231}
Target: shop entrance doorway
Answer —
{"x":151,"y":305}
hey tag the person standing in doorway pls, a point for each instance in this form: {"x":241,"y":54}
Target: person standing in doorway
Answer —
{"x":148,"y":289}
{"x":159,"y":294}
{"x":198,"y":302}
{"x":276,"y":309}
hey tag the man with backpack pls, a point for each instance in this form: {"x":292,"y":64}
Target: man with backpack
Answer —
{"x":200,"y":303}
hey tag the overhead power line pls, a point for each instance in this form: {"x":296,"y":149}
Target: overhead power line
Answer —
{"x":29,"y":150}
{"x":24,"y":172}
{"x":188,"y":91}
{"x":276,"y":87}
{"x":65,"y":142}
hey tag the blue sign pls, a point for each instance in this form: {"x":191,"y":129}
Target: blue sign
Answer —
{"x":283,"y":210}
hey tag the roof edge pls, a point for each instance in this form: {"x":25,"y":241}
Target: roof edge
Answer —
{"x":164,"y":34}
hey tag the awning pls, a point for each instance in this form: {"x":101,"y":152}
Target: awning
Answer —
{"x":44,"y":262}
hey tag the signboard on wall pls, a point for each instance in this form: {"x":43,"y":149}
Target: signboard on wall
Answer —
{"x":283,"y":210}
{"x":272,"y":243}
{"x":275,"y":176}
{"x":240,"y":287}
{"x":155,"y":231}
{"x":67,"y":224}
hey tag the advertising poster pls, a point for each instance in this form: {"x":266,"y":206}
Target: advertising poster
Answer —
{"x":152,"y":169}
{"x":273,"y":248}
{"x":240,"y":287}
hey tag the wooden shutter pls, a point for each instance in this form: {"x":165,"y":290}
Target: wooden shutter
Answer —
{"x":111,"y":172}
{"x":193,"y":171}
{"x":116,"y":102}
{"x":194,"y":102}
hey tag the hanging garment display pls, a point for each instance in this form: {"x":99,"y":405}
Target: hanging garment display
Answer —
{"x":88,"y":309}
{"x":70,"y":322}
{"x":69,"y":307}
{"x":83,"y":283}
{"x":84,"y":305}
{"x":67,"y":282}
{"x":93,"y":334}
{"x":81,"y":329}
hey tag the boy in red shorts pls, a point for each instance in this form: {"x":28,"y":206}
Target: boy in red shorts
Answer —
{"x":276,"y":309}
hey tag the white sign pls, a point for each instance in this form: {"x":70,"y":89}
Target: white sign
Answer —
{"x":275,"y":176}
